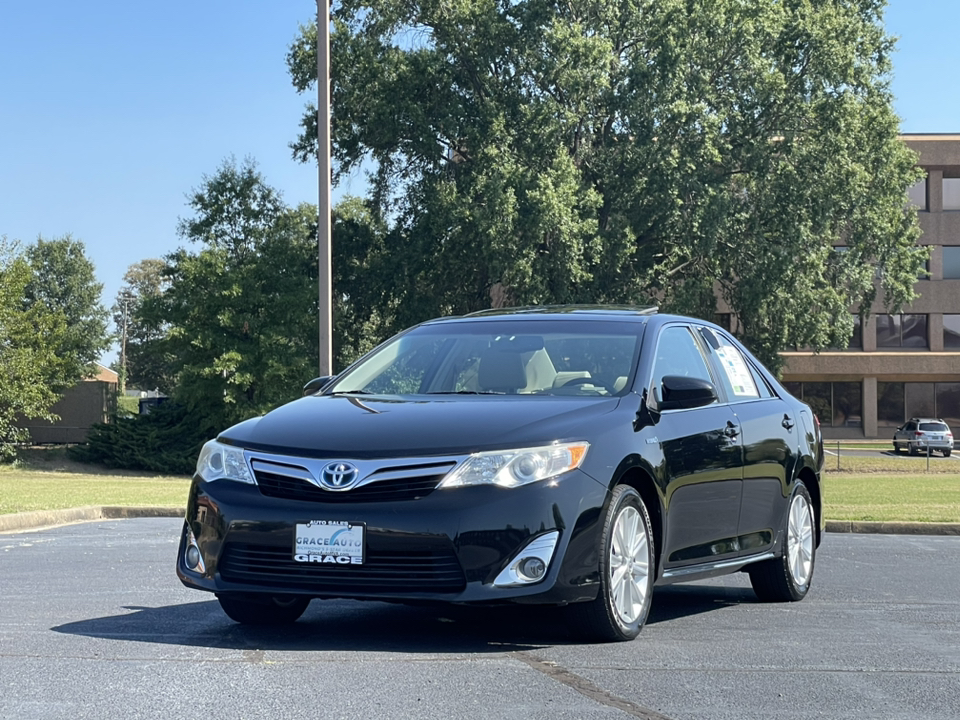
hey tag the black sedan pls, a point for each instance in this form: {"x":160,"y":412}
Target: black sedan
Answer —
{"x":575,"y":456}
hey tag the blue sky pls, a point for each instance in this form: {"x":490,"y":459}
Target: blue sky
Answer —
{"x":110,"y":112}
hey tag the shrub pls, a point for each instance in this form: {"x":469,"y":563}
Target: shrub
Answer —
{"x":167,"y":440}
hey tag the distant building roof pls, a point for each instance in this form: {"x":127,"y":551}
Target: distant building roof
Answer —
{"x":105,"y":374}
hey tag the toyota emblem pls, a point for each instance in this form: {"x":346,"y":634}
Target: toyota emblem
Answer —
{"x":339,"y":476}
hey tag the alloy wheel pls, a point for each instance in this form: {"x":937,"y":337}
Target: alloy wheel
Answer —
{"x":629,"y":566}
{"x":800,"y":541}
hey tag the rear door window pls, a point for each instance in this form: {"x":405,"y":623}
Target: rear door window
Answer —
{"x":735,"y":374}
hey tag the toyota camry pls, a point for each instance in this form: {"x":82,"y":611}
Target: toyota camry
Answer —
{"x":572,"y":456}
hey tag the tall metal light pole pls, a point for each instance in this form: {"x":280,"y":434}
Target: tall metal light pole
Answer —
{"x":323,"y":160}
{"x":123,"y":346}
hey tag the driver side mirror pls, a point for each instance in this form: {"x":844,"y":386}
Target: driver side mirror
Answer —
{"x":317,"y":384}
{"x":684,"y":393}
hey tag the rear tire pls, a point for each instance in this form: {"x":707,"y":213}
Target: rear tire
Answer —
{"x":626,"y":573}
{"x":787,"y":578}
{"x":913,"y":449}
{"x":263,"y":609}
{"x":946,"y":453}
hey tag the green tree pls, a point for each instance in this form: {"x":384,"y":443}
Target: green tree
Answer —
{"x":64,"y":281}
{"x":148,"y":365}
{"x":28,"y":338}
{"x":361,"y":271}
{"x":240,"y":313}
{"x":528,"y":151}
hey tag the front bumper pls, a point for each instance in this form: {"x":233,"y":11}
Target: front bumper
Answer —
{"x":449,"y":545}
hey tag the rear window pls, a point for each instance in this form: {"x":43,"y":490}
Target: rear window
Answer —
{"x":934,"y":427}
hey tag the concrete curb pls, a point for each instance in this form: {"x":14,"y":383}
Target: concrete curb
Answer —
{"x":893,"y":528}
{"x":42,"y":519}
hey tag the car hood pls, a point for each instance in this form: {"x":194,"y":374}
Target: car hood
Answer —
{"x":380,"y":426}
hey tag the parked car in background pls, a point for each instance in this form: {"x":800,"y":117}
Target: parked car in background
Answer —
{"x":574,"y":456}
{"x":923,"y":434}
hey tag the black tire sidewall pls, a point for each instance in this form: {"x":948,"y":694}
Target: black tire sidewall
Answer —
{"x":624,"y":496}
{"x":798,"y":592}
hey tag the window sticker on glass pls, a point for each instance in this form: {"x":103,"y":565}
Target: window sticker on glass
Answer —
{"x":737,"y":372}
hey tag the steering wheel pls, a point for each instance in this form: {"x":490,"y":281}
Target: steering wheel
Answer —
{"x":573,"y":382}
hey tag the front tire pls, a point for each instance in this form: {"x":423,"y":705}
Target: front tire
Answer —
{"x":263,"y":610}
{"x":626,"y":573}
{"x":787,"y":578}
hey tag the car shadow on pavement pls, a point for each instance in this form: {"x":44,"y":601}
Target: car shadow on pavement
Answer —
{"x":383,"y":627}
{"x":676,"y":602}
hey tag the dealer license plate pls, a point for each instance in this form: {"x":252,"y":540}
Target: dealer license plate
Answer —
{"x":330,"y":542}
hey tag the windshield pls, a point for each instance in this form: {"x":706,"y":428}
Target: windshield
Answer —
{"x":586,"y":358}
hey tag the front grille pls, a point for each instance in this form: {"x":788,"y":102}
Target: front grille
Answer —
{"x":384,"y":572}
{"x":291,"y":488}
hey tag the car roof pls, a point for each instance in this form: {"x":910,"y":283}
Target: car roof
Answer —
{"x":540,"y":312}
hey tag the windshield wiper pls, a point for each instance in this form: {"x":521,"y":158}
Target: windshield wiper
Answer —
{"x":351,"y":392}
{"x":464,"y":392}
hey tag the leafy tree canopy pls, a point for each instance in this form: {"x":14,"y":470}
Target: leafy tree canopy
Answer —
{"x":28,"y":358}
{"x":64,"y":281}
{"x":148,"y":366}
{"x":532,"y":152}
{"x":238,"y":315}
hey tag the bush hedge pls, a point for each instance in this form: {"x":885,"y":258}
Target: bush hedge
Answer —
{"x":166,"y":440}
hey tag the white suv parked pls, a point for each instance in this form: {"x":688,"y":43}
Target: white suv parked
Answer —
{"x":921,"y":434}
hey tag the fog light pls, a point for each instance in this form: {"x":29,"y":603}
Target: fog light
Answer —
{"x":193,"y":557}
{"x":530,"y":563}
{"x":532,"y":567}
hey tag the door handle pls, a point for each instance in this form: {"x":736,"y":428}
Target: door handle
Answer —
{"x":787,"y":422}
{"x":731,"y":430}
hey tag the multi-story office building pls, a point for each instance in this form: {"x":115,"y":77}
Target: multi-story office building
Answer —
{"x":904,"y":365}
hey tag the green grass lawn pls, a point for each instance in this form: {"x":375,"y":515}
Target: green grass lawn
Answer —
{"x":886,"y":465}
{"x":30,"y":490}
{"x":904,"y":497}
{"x":47,"y":479}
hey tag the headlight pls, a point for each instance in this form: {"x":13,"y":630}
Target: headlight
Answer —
{"x":223,"y":462}
{"x":512,"y":468}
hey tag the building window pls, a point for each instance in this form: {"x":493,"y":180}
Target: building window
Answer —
{"x":948,"y":403}
{"x":918,"y":194}
{"x":847,"y":404}
{"x":951,"y":262}
{"x":890,"y":407}
{"x":906,"y":331}
{"x":795,"y":389}
{"x":951,"y":332}
{"x":920,"y":400}
{"x":838,"y":404}
{"x":856,"y":339}
{"x":898,"y":402}
{"x":951,"y":193}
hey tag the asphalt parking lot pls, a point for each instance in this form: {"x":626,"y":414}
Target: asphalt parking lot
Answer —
{"x":95,"y":624}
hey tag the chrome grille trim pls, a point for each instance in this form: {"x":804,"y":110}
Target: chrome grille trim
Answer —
{"x":371,"y":471}
{"x":291,"y":471}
